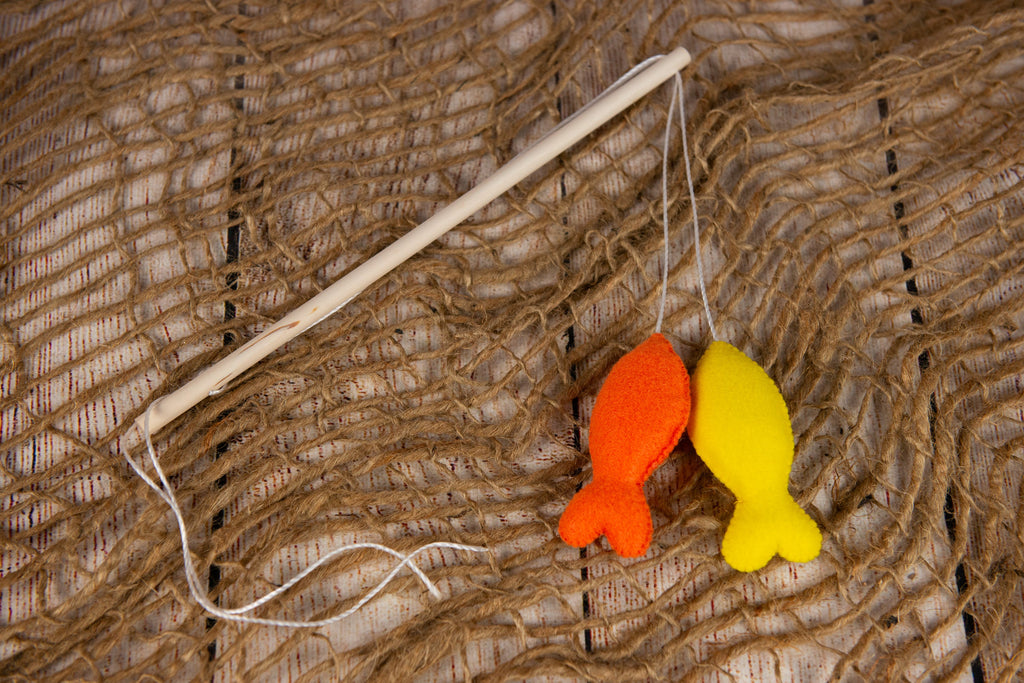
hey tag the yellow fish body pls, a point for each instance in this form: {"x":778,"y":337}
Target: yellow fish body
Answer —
{"x":740,"y":428}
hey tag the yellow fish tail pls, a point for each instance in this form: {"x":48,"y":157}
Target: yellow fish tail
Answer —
{"x":760,"y":529}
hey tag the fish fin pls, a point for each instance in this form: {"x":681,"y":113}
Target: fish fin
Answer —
{"x":802,"y":541}
{"x":615,"y":509}
{"x":757,"y":532}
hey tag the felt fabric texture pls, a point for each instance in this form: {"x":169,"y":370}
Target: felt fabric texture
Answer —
{"x":175,"y":176}
{"x":740,"y":428}
{"x":640,"y":413}
{"x":611,"y":507}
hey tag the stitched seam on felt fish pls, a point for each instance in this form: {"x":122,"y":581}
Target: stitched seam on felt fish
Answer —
{"x":740,"y":427}
{"x":640,"y":414}
{"x":758,"y":531}
{"x":641,"y":411}
{"x":615,"y":509}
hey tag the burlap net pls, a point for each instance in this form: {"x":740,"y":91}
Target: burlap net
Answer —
{"x":176,"y":176}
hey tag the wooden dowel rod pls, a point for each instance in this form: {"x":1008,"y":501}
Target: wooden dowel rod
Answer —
{"x":612,"y":102}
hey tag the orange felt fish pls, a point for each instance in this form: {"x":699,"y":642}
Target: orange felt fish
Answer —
{"x":641,"y":411}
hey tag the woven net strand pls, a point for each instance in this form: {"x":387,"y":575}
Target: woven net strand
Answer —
{"x":176,"y":176}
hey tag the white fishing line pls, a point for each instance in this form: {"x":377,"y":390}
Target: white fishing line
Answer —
{"x":166,"y":493}
{"x":677,"y":96}
{"x":638,"y":81}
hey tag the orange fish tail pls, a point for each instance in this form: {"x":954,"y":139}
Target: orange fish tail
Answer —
{"x":613,"y":508}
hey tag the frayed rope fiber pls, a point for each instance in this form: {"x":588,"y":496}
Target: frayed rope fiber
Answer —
{"x":177,"y":176}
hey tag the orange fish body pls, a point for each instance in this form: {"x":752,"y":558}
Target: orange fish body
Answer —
{"x":640,"y":414}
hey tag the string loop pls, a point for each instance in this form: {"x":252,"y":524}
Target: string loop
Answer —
{"x":166,"y":493}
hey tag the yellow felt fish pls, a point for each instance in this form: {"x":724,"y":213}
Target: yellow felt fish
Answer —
{"x":739,"y":426}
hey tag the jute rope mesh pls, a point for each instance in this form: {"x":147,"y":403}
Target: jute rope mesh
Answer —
{"x":177,"y":176}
